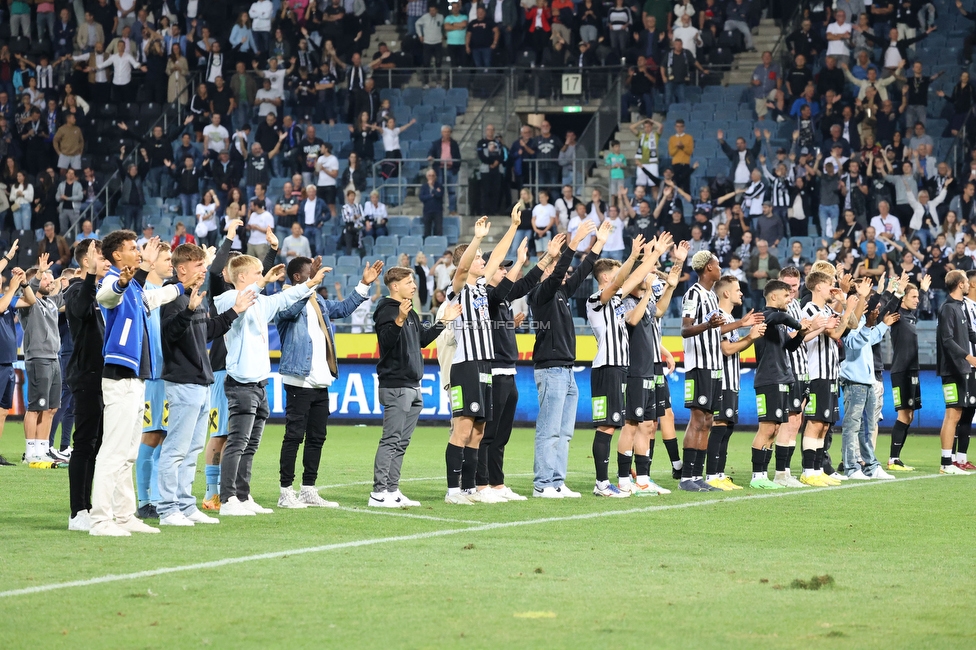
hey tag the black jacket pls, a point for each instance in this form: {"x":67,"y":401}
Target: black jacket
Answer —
{"x":185,"y":337}
{"x":500,"y":309}
{"x":401,"y":364}
{"x":87,"y":331}
{"x":953,"y":341}
{"x":231,"y":177}
{"x":555,"y":337}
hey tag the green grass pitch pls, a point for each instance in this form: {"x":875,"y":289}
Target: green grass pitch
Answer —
{"x":676,"y":571}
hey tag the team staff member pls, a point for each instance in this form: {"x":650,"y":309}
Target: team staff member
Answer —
{"x":504,"y":391}
{"x":308,"y":367}
{"x":399,"y":370}
{"x":965,"y":427}
{"x":554,"y":355}
{"x":955,"y":362}
{"x":84,"y":377}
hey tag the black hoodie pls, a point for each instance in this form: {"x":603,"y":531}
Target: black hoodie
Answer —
{"x":185,"y":337}
{"x":555,"y":336}
{"x":88,"y":332}
{"x":401,"y":364}
{"x":500,"y":308}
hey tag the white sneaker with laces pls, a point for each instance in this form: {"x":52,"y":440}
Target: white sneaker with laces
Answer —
{"x":879,"y":473}
{"x":80,"y":522}
{"x":611,"y":491}
{"x":547,"y":493}
{"x":567,"y":493}
{"x":234,"y":508}
{"x":199,"y":518}
{"x":135,"y":525}
{"x":309,"y":496}
{"x":837,"y":476}
{"x":458,"y":499}
{"x":289,"y":499}
{"x":175,"y":519}
{"x":108,"y":529}
{"x":952,"y":469}
{"x":488,"y":495}
{"x":401,"y":500}
{"x":859,"y":476}
{"x":254,"y":507}
{"x":506,"y":493}
{"x":382,"y":500}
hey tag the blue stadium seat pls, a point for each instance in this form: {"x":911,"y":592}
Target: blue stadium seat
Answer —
{"x":348,"y":262}
{"x":392,"y":240}
{"x":398,"y":225}
{"x":412,"y":242}
{"x":390,"y":93}
{"x":438,"y":242}
{"x":412,"y":96}
{"x":329,"y":260}
{"x":391,"y":261}
{"x":417,"y":228}
{"x":458,"y":97}
{"x":435,"y":97}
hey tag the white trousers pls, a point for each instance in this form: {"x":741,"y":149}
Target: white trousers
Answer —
{"x":113,"y":495}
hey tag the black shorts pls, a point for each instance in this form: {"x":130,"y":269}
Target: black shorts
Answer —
{"x":728,"y":407}
{"x":471,"y":390}
{"x":641,"y":399}
{"x":955,"y":390}
{"x":703,"y":389}
{"x":662,"y":390}
{"x":43,"y":384}
{"x":771,"y":403}
{"x":7,"y":384}
{"x":906,"y":392}
{"x":327,"y":193}
{"x":822,"y":401}
{"x":607,"y":388}
{"x":799,"y":390}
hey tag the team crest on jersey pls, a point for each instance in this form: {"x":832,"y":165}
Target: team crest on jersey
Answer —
{"x":474,"y":407}
{"x":729,"y":413}
{"x":616,"y":417}
{"x":911,"y":401}
{"x":638,"y":411}
{"x":702,"y":399}
{"x":796,"y":402}
{"x":827,"y":413}
{"x":779,"y":413}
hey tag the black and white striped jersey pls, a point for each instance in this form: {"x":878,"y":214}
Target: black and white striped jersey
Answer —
{"x":971,"y":314}
{"x":730,"y":362}
{"x":798,"y":358}
{"x":472,"y":329}
{"x":703,"y":351}
{"x":609,"y":326}
{"x":642,"y":341}
{"x":823,"y":357}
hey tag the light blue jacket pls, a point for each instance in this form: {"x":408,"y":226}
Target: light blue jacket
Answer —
{"x":858,"y":365}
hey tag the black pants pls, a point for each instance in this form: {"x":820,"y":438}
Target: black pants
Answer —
{"x":682,"y":176}
{"x":87,"y":440}
{"x":491,"y":455}
{"x":491,"y":190}
{"x":306,"y":418}
{"x":432,"y":61}
{"x":434,"y":224}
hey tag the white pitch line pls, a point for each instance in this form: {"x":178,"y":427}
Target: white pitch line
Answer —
{"x":418,"y":479}
{"x":438,"y":533}
{"x":400,"y":512}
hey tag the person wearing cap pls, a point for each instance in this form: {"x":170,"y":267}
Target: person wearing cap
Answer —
{"x":148,"y":231}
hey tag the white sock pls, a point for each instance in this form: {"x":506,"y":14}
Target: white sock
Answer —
{"x":285,"y":490}
{"x":453,"y":491}
{"x":961,"y":458}
{"x":623,"y":480}
{"x":809,"y":472}
{"x":643,"y":480}
{"x":760,"y":475}
{"x":29,"y":448}
{"x":603,"y":485}
{"x":713,"y":477}
{"x":677,"y":465}
{"x":43,"y":447}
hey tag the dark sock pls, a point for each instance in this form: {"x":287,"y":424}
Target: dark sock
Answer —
{"x":807,"y":458}
{"x":643,"y":464}
{"x":714,"y":449}
{"x":758,"y":455}
{"x":898,"y":435}
{"x":672,"y":447}
{"x":963,"y":431}
{"x":601,"y":455}
{"x":818,"y":459}
{"x":688,"y":464}
{"x":624,"y":463}
{"x":469,"y":468}
{"x":455,"y":462}
{"x":650,"y":453}
{"x":767,"y":456}
{"x":700,"y":455}
{"x":782,"y":458}
{"x":789,"y":456}
{"x":724,"y":455}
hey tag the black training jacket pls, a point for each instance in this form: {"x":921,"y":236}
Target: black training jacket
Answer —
{"x":500,"y":308}
{"x":555,"y":335}
{"x":87,"y":331}
{"x":953,"y":340}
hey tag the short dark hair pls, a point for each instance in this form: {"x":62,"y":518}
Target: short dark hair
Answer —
{"x":81,"y":249}
{"x":114,"y":241}
{"x":296,"y":265}
{"x":187,"y":253}
{"x":775,"y":285}
{"x":790,"y":272}
{"x":397,"y":273}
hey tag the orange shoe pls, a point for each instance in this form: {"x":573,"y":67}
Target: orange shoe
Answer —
{"x":213,"y":503}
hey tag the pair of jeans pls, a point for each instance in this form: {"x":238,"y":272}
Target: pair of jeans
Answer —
{"x":66,"y":413}
{"x":674,"y":91}
{"x":306,"y":419}
{"x":520,"y":236}
{"x":449,"y":179}
{"x":189,"y":410}
{"x":556,"y":424}
{"x":87,"y":441}
{"x":401,"y":410}
{"x":22,"y":218}
{"x":312,"y":234}
{"x":45,"y":25}
{"x":742,"y":27}
{"x":829,"y":214}
{"x":188,"y":203}
{"x":157,"y":182}
{"x":481,"y":57}
{"x":247,"y":413}
{"x":859,"y":403}
{"x":644,"y":101}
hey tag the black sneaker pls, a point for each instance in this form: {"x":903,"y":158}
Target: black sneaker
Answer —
{"x":5,"y":463}
{"x":676,"y":474}
{"x":147,"y":511}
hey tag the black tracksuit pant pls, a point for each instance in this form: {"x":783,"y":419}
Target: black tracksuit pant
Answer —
{"x":491,"y":454}
{"x":87,"y":440}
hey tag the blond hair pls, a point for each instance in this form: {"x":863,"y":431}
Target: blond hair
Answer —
{"x":823,"y":266}
{"x":701,"y":259}
{"x":242,"y":263}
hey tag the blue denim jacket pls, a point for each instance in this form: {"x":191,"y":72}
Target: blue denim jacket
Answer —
{"x":322,"y":213}
{"x":292,"y":324}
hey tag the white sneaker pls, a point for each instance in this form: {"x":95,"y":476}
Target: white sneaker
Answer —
{"x":383,"y":500}
{"x":488,"y":495}
{"x":507,"y":494}
{"x":199,"y":518}
{"x":254,"y":507}
{"x":135,"y":525}
{"x":234,"y":508}
{"x":548,"y":493}
{"x":58,"y":455}
{"x":567,"y":493}
{"x":610,"y":490}
{"x":403,"y":501}
{"x":309,"y":496}
{"x":80,"y":522}
{"x":108,"y":529}
{"x":289,"y":499}
{"x":175,"y":519}
{"x":459,"y":499}
{"x":859,"y":476}
{"x":879,"y":473}
{"x":837,"y":476}
{"x":952,"y":469}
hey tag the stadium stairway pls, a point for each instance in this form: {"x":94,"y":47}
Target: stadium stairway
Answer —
{"x":764,"y":38}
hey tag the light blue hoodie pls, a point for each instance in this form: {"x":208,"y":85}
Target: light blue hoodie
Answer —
{"x":858,"y":364}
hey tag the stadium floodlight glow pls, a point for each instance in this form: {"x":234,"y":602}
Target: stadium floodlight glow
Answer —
{"x":572,"y":109}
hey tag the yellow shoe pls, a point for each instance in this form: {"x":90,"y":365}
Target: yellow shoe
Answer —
{"x":213,"y":503}
{"x":720,"y":484}
{"x":812,"y":480}
{"x":900,"y":467}
{"x":828,"y":481}
{"x":730,"y":484}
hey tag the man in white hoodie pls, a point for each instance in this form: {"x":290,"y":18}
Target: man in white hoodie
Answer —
{"x":261,"y":13}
